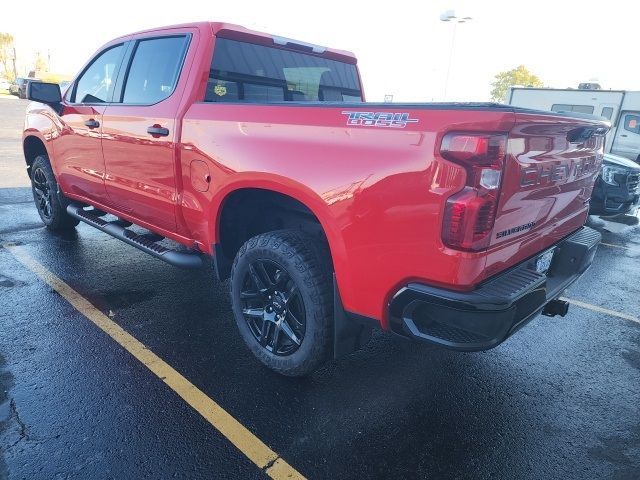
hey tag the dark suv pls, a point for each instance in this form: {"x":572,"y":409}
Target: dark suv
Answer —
{"x":617,"y":189}
{"x":19,"y":86}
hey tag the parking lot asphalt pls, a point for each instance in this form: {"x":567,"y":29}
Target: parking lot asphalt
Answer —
{"x":11,"y":160}
{"x":560,"y":399}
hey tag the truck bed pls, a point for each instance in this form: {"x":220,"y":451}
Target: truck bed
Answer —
{"x":380,"y":191}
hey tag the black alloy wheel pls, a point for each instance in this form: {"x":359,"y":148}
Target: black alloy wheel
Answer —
{"x":50,"y":201}
{"x":42,"y":193}
{"x":282,"y":298}
{"x":273,"y":307}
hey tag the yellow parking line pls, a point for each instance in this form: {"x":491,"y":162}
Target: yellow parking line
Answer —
{"x":250,"y":445}
{"x":598,"y":309}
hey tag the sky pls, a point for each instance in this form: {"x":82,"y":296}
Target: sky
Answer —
{"x":403,"y":47}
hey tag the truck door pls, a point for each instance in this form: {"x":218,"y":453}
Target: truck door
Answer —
{"x":79,"y":160}
{"x":627,"y":140}
{"x":139,"y":131}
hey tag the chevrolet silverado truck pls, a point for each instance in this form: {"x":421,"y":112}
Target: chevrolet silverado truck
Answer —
{"x":448,"y":223}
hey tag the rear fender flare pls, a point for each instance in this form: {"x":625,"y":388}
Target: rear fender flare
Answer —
{"x":305,"y":196}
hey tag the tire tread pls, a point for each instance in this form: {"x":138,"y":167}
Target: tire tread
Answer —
{"x":312,"y":260}
{"x":61,"y":219}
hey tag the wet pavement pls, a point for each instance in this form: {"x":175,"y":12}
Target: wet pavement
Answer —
{"x":11,"y":160}
{"x":560,"y":399}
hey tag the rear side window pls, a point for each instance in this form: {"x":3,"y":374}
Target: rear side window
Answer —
{"x":632,"y":123}
{"x":97,"y":82}
{"x":562,"y":107}
{"x":245,"y":72}
{"x":154,"y":70}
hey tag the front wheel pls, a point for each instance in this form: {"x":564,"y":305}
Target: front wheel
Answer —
{"x":50,"y":202}
{"x":283,"y":300}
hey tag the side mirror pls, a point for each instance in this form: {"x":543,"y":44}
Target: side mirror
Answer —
{"x":48,"y":93}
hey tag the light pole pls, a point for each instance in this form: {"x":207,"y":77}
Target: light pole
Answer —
{"x":450,"y":16}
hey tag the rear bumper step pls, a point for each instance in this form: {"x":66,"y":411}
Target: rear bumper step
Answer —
{"x":117,"y":229}
{"x":487,"y":316}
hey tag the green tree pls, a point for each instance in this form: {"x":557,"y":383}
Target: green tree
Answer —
{"x":6,"y":55}
{"x":517,"y":76}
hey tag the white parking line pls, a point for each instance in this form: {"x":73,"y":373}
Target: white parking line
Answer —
{"x":598,"y":309}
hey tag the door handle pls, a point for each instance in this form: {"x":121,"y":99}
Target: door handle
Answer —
{"x":92,"y":124}
{"x":158,"y":131}
{"x":624,"y":135}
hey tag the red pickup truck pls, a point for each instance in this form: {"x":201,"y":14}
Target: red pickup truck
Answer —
{"x":449,"y":223}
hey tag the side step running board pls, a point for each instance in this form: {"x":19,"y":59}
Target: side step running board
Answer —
{"x":190,"y":259}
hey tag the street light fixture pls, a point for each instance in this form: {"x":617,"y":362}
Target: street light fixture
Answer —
{"x":450,"y":16}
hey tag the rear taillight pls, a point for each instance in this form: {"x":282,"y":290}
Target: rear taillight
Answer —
{"x":469,"y":215}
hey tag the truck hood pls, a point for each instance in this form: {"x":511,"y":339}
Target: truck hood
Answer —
{"x":620,"y":162}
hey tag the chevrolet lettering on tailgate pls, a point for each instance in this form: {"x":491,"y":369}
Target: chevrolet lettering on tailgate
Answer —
{"x":546,"y":174}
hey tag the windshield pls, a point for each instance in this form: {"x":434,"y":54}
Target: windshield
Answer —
{"x":248,"y":72}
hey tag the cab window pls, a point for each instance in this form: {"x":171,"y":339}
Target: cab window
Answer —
{"x":246,"y":72}
{"x":154,"y":70}
{"x":96,"y":84}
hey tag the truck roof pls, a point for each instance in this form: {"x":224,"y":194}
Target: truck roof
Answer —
{"x":238,"y":32}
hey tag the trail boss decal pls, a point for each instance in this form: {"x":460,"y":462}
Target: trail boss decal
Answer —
{"x":379,"y":119}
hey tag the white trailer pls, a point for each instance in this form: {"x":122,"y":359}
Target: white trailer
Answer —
{"x":621,"y":107}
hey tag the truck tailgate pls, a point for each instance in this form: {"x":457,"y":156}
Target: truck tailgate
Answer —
{"x":551,"y":165}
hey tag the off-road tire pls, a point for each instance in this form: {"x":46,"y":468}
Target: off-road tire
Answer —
{"x":307,"y":262}
{"x":54,"y":212}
